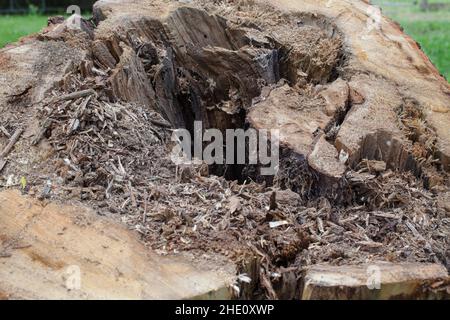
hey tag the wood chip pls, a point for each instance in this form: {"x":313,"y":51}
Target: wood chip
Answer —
{"x":5,"y":132}
{"x":77,"y":95}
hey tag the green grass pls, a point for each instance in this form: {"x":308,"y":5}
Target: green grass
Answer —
{"x":14,"y":27}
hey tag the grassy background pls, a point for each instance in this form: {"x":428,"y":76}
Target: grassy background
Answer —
{"x":430,"y":28}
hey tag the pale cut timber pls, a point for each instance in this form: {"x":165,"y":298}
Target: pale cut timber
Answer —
{"x":43,"y":245}
{"x":397,"y":281}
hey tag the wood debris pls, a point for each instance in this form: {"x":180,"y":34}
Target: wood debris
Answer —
{"x":102,"y":136}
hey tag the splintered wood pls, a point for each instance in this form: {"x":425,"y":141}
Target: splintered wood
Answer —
{"x":86,"y":117}
{"x":9,"y":147}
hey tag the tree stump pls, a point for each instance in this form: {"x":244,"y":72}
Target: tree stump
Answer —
{"x":342,"y":83}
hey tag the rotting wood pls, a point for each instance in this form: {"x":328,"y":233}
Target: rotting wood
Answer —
{"x":365,"y":149}
{"x":41,"y":132}
{"x":77,"y":95}
{"x":15,"y":137}
{"x":64,"y":240}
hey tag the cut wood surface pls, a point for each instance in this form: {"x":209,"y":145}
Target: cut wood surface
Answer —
{"x":44,"y":247}
{"x":390,"y":54}
{"x":396,"y":66}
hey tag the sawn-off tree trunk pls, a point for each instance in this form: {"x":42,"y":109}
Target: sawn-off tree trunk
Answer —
{"x":340,"y":82}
